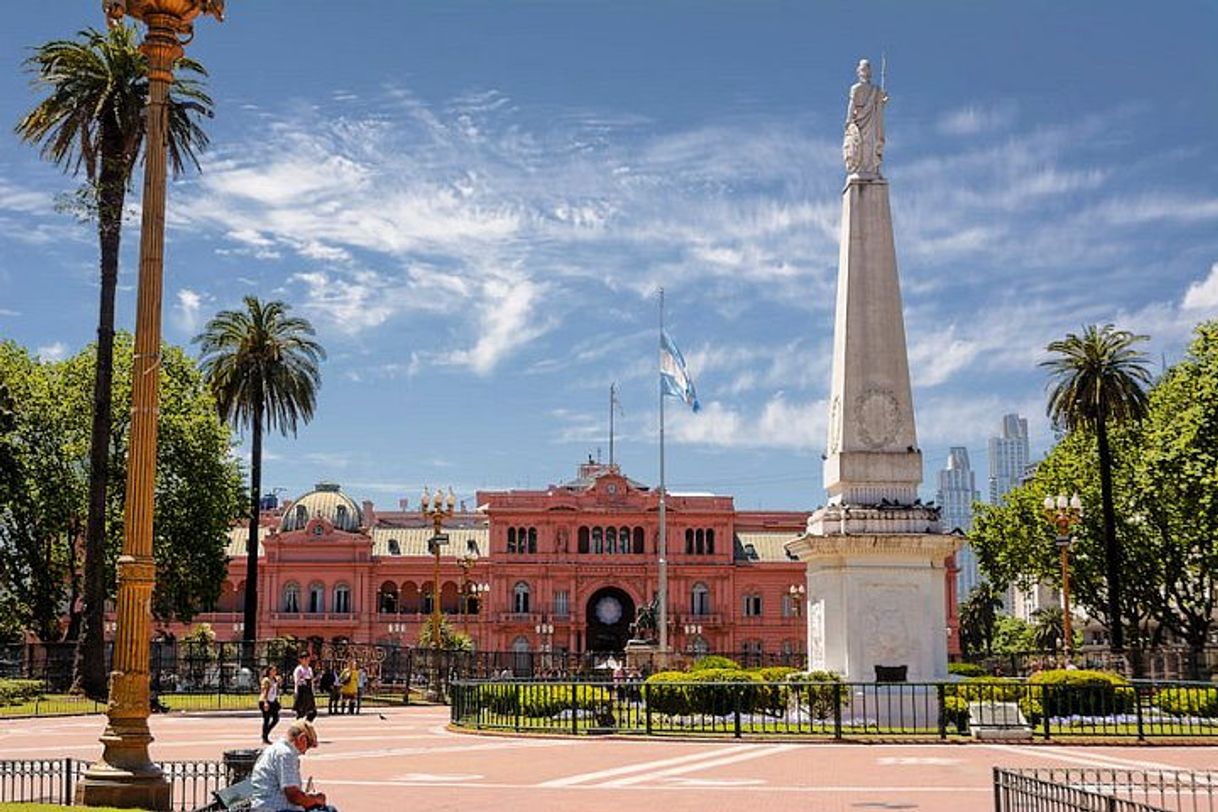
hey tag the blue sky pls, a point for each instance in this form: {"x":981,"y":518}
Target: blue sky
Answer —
{"x":475,"y":203}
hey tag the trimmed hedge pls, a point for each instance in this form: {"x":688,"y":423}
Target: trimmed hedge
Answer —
{"x":1189,"y":701}
{"x":16,"y":691}
{"x":541,"y":700}
{"x":967,"y":670}
{"x":815,"y":691}
{"x":955,"y":712}
{"x":714,"y":661}
{"x":988,"y":689}
{"x":1076,"y":692}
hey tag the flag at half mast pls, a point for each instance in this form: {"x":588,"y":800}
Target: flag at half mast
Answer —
{"x":674,"y":377}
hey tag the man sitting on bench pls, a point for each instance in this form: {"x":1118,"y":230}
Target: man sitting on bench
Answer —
{"x":276,"y":775}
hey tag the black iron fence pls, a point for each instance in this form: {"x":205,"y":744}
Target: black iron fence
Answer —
{"x":54,"y":781}
{"x":1162,"y":663}
{"x":1046,"y":789}
{"x":750,"y":707}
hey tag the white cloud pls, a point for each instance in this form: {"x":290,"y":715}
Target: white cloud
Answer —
{"x":779,"y":424}
{"x":1203,"y":295}
{"x":55,"y":351}
{"x":186,"y":311}
{"x":973,"y":119}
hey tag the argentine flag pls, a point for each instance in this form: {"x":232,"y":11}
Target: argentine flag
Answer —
{"x":674,"y":377}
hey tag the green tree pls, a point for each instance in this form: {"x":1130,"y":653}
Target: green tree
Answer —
{"x":1099,"y":378}
{"x":1176,"y":497}
{"x":1012,"y":635}
{"x":978,"y":615}
{"x":1048,"y":630}
{"x":263,"y":367}
{"x":92,"y":118}
{"x":450,"y":640}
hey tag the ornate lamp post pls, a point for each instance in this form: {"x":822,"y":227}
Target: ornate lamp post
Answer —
{"x":438,"y":510}
{"x":478,"y":592}
{"x":796,"y":593}
{"x":125,"y":775}
{"x":545,"y":630}
{"x":466,"y":563}
{"x":692,"y":632}
{"x":1064,"y":513}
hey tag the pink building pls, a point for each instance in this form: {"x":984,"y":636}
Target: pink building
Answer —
{"x":561,"y":569}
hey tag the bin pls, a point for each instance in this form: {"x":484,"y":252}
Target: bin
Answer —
{"x":238,"y":764}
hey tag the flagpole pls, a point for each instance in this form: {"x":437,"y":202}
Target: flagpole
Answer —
{"x":612,"y":397}
{"x":663,"y":593}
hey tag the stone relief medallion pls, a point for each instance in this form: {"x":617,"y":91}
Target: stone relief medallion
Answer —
{"x":835,"y":425}
{"x":879,"y":416}
{"x":889,"y":637}
{"x":816,"y":625}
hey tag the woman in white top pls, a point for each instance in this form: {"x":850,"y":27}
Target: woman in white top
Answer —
{"x":268,"y":701}
{"x":304,"y":703}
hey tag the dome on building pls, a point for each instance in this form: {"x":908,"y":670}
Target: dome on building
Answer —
{"x":328,"y":501}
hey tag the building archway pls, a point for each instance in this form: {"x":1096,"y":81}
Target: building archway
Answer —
{"x":610,"y":611}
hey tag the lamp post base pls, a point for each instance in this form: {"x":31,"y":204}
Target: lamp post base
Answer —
{"x":125,"y":777}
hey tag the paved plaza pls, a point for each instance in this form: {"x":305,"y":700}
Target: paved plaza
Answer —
{"x":378,"y":760}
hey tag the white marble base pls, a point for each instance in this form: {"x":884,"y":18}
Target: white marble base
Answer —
{"x":876,"y":598}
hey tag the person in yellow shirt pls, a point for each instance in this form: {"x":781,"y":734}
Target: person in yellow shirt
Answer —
{"x":348,"y":682}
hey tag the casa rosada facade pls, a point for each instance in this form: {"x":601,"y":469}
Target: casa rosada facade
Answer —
{"x":562,"y":569}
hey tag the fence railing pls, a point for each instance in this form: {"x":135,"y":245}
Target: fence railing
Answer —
{"x":54,"y":781}
{"x":1046,"y":789}
{"x":838,"y":710}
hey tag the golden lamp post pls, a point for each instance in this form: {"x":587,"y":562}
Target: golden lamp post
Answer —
{"x":438,"y":510}
{"x":125,"y":775}
{"x":466,"y":563}
{"x":1064,"y":513}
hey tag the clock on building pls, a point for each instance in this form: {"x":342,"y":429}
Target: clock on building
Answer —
{"x":608,"y":610}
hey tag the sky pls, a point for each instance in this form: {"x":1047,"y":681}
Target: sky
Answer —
{"x":476,"y":202}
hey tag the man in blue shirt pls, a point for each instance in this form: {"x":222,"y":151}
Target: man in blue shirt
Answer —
{"x":276,"y":775}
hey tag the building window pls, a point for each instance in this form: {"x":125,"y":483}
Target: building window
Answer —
{"x":302,"y":517}
{"x":317,"y":598}
{"x":583,"y":540}
{"x":340,"y":517}
{"x":395,"y":547}
{"x":699,"y":600}
{"x":689,"y":542}
{"x":532,"y":540}
{"x":623,"y":540}
{"x":426,"y":601}
{"x":752,"y":606}
{"x":598,"y":541}
{"x":522,"y":540}
{"x":638,"y":541}
{"x":751,"y":649}
{"x":611,"y":541}
{"x":387,"y":601}
{"x":511,"y":546}
{"x":342,"y":599}
{"x":562,"y":603}
{"x":520,"y":598}
{"x":710,"y":542}
{"x":700,"y":646}
{"x":291,"y":597}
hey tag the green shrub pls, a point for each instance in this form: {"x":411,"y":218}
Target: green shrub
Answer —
{"x":714,"y":661}
{"x":498,"y":699}
{"x":720,"y":691}
{"x":955,"y":712}
{"x":1189,"y":701}
{"x":988,"y":689}
{"x":967,"y":670}
{"x":816,"y":690}
{"x":774,"y":695}
{"x":1065,"y":692}
{"x":544,"y":700}
{"x":16,"y":691}
{"x":666,"y":694}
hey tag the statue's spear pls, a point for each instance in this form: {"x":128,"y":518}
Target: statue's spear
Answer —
{"x":883,"y":69}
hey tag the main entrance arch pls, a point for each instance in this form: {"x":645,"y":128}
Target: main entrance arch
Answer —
{"x":610,"y":612}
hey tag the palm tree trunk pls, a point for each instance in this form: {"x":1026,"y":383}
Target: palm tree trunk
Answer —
{"x":89,"y":669}
{"x":1112,"y":551}
{"x":251,"y":547}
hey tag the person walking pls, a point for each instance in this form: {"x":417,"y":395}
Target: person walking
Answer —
{"x":329,"y":684}
{"x":363,"y":688}
{"x":302,"y":680}
{"x":349,"y":685}
{"x":268,"y":701}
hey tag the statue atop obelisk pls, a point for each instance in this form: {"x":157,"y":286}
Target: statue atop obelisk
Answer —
{"x":875,"y":554}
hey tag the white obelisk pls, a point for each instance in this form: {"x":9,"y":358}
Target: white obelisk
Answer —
{"x":875,"y":554}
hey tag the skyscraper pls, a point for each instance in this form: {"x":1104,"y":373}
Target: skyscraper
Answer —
{"x":957,"y":492}
{"x":1008,"y":456}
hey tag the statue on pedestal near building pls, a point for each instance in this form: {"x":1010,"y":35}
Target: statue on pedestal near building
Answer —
{"x":863,"y":146}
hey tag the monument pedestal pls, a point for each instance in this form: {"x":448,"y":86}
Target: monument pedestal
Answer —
{"x":876,"y":591}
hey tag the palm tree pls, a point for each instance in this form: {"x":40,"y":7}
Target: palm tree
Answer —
{"x":1049,"y":628}
{"x":93,"y":119}
{"x":978,"y":615}
{"x":262,"y":366}
{"x":1099,"y":378}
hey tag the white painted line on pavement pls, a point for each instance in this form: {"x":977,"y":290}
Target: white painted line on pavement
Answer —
{"x":986,"y":790}
{"x":755,"y":752}
{"x":571,"y":780}
{"x":1088,"y":759}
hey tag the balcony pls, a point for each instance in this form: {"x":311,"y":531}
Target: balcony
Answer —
{"x":710,"y":619}
{"x":315,"y":617}
{"x":520,"y":617}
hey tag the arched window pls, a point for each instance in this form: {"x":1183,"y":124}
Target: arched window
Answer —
{"x":689,"y":542}
{"x":532,"y":539}
{"x":511,"y":540}
{"x":340,"y":517}
{"x":710,"y":542}
{"x":395,"y":547}
{"x":700,"y":646}
{"x":583,"y":540}
{"x":598,"y":541}
{"x":700,"y":542}
{"x":317,"y":598}
{"x":623,"y":540}
{"x":699,"y":603}
{"x":522,"y":658}
{"x":520,"y":598}
{"x":611,"y":541}
{"x":302,"y":517}
{"x":342,"y":599}
{"x":291,"y":597}
{"x":387,"y":601}
{"x":639,"y":541}
{"x":426,"y":598}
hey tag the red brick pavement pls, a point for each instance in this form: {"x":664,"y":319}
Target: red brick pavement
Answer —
{"x":404,"y":758}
